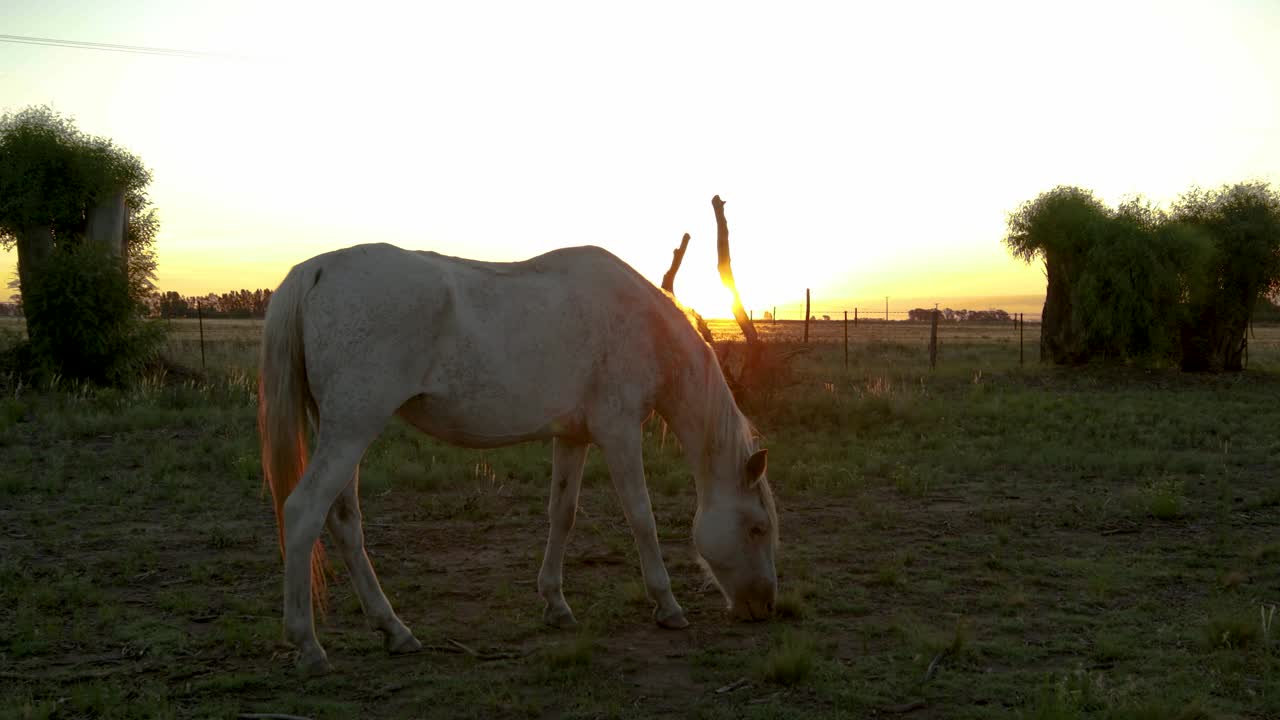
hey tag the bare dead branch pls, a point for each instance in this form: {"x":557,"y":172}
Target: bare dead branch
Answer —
{"x":722,"y":244}
{"x":677,"y":257}
{"x":726,"y":273}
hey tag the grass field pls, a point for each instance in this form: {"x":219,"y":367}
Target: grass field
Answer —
{"x":980,"y":540}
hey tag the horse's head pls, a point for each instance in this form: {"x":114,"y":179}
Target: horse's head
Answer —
{"x":736,"y":535}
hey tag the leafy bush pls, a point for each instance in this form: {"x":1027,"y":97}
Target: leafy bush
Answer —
{"x":1240,"y":227}
{"x":94,"y":326}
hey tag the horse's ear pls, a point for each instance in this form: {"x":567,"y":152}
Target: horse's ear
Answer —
{"x":756,"y":465}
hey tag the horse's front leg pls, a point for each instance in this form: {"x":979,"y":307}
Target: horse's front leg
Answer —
{"x":567,"y":460}
{"x":626,"y":465}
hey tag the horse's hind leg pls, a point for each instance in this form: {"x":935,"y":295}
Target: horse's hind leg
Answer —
{"x":338,"y":452}
{"x":567,"y":460}
{"x":348,"y":533}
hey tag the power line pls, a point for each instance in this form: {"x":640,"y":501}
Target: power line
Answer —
{"x":113,"y":47}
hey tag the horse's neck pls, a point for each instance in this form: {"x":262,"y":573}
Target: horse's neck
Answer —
{"x":695,"y":412}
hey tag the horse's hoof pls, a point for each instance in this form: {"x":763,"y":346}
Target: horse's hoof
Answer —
{"x":559,"y":618}
{"x":403,"y":644}
{"x":314,"y":665}
{"x":671,"y":621}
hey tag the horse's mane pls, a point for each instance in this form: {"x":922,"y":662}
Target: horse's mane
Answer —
{"x":722,"y":420}
{"x":691,"y":315}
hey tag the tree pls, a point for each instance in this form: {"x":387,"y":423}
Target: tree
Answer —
{"x":1237,"y":229}
{"x":1137,"y":282}
{"x":1127,"y":295}
{"x":173,"y":305}
{"x":55,"y":182}
{"x":1058,"y":227}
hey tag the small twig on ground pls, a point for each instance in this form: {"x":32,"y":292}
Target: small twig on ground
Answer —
{"x":464,"y":648}
{"x":905,"y":708}
{"x":933,"y":665}
{"x":431,"y":648}
{"x":735,"y":685}
{"x":1122,"y":530}
{"x":456,"y":648}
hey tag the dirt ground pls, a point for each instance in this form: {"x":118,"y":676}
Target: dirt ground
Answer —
{"x":963,"y":545}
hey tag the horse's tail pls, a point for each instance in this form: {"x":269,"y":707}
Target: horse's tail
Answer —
{"x":284,"y":405}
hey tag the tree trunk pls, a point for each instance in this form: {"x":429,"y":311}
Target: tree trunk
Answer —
{"x":108,"y":222}
{"x":1060,"y":336}
{"x":1211,"y":343}
{"x":35,"y":246}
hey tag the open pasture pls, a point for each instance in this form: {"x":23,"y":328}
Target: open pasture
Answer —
{"x":982,"y":540}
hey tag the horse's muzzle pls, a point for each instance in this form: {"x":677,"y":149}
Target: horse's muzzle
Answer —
{"x":752,"y":609}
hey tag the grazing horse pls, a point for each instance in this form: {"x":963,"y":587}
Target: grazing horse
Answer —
{"x":573,"y":345}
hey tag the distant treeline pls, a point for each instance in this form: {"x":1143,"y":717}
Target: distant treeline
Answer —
{"x":234,"y":304}
{"x":949,"y":315}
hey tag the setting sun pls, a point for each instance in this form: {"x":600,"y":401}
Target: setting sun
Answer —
{"x":863,"y":151}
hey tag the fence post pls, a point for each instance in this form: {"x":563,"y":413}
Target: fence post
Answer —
{"x":775,"y":315}
{"x":855,"y":317}
{"x":806,"y":315}
{"x":846,"y":339}
{"x":933,"y":341}
{"x":200,"y":319}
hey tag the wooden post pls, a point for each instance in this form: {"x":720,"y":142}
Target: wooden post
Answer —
{"x":886,"y":308}
{"x":751,"y":314}
{"x":855,"y":317}
{"x":806,"y":315}
{"x":846,"y":339}
{"x":200,"y":319}
{"x":933,"y":341}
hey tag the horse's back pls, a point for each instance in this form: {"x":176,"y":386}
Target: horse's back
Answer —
{"x":488,"y":352}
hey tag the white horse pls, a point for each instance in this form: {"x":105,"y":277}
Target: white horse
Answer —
{"x":572,"y":345}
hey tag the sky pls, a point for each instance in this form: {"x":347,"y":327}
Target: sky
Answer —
{"x":863,"y":149}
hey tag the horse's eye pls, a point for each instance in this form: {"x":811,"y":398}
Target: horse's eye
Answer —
{"x":757,"y":531}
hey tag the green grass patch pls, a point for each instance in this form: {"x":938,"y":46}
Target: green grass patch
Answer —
{"x":791,"y":660}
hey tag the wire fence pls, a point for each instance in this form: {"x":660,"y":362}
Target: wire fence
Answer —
{"x":926,"y":328}
{"x":864,"y":313}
